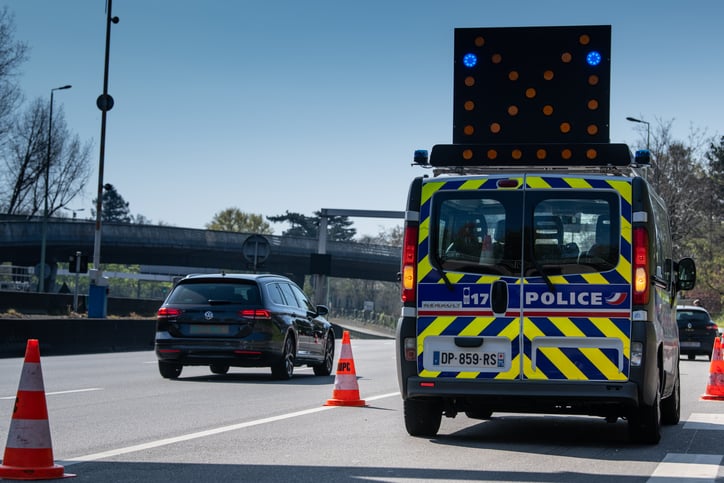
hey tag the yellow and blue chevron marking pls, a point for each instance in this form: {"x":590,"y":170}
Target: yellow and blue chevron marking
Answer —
{"x":547,"y":342}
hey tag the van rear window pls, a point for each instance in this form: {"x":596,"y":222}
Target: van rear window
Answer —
{"x":516,"y":233}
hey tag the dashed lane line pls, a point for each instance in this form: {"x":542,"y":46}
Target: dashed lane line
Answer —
{"x":209,"y":432}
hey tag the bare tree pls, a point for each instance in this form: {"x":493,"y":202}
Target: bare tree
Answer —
{"x":26,"y":160}
{"x":676,"y":174}
{"x":12,"y":55}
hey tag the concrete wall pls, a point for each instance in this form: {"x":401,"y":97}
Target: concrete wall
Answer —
{"x":88,"y":336}
{"x":76,"y":336}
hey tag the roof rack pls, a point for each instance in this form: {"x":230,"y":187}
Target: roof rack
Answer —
{"x":481,"y":158}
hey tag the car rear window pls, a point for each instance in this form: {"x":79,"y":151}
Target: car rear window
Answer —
{"x":499,"y":231}
{"x":215,"y":292}
{"x":696,"y":318}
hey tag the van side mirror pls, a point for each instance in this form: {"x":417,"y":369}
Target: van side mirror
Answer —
{"x":686,"y":274}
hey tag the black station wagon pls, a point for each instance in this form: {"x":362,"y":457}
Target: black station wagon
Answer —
{"x":242,"y":320}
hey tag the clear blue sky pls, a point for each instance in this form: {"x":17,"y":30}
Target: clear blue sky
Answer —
{"x":272,"y":105}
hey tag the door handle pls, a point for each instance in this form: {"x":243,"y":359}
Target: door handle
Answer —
{"x":499,"y":297}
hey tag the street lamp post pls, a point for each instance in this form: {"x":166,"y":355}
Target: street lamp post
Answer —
{"x":44,"y":236}
{"x":648,"y":129}
{"x":96,"y":295}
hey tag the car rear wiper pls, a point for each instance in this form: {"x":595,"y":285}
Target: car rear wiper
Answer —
{"x":545,"y":276}
{"x":219,"y":302}
{"x":447,"y":281}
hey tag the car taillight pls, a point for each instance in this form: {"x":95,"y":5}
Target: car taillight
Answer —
{"x":641,"y":283}
{"x":168,"y":313}
{"x":713,"y":327}
{"x":409,"y":261}
{"x":255,"y":314}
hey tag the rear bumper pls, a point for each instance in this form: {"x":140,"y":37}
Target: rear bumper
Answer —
{"x":584,"y":397}
{"x":203,"y":352}
{"x":705,"y":347}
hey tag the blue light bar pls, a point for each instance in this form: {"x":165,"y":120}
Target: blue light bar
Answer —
{"x":593,"y":58}
{"x":470,"y":60}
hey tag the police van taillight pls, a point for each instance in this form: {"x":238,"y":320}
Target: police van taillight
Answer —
{"x":641,"y":280}
{"x":409,"y":259}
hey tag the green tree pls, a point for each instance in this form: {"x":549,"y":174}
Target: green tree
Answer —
{"x":339,"y":228}
{"x":233,"y":219}
{"x":115,"y":208}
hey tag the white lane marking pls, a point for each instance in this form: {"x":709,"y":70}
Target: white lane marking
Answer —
{"x":209,"y":432}
{"x":705,"y":421}
{"x":60,"y":392}
{"x":679,"y":467}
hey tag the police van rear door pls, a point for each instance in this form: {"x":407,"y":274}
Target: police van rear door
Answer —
{"x":525,"y":277}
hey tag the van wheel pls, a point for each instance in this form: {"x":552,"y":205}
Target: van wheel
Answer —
{"x":169,"y":370}
{"x":644,"y":423}
{"x":671,"y":406}
{"x":422,"y":417}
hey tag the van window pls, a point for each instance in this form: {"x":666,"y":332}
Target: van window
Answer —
{"x":506,"y":232}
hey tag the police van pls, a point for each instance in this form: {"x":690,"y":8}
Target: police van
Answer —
{"x":537,"y":276}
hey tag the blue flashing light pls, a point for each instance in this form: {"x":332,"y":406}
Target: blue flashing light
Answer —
{"x":470,"y":60}
{"x":593,"y":58}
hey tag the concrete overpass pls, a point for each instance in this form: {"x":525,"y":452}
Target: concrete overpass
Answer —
{"x":124,"y":243}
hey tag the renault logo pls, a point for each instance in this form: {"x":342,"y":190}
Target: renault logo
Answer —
{"x":688,"y":326}
{"x":208,"y":315}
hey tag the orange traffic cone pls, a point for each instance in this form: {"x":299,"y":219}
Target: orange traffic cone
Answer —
{"x":29,"y":452}
{"x":346,"y":390}
{"x":715,"y":387}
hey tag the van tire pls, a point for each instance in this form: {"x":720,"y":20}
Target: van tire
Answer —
{"x":422,"y":416}
{"x":644,"y":422}
{"x":671,"y":406}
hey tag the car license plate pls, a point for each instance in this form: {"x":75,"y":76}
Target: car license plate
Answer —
{"x":691,"y":344}
{"x":441,"y":353}
{"x":210,"y":329}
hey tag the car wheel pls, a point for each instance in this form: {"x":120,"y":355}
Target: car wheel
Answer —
{"x":219,"y":368}
{"x":325,"y":368}
{"x":422,"y":417}
{"x":671,"y":406}
{"x":479,"y":414}
{"x":644,"y":423}
{"x":169,"y":370}
{"x":284,"y":367}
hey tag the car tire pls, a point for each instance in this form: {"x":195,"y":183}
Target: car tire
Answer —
{"x":325,"y":368}
{"x":219,"y":368}
{"x":671,"y":406}
{"x":644,"y":423}
{"x":422,"y":417}
{"x":479,"y":414}
{"x":169,"y":370}
{"x":691,"y":357}
{"x":283,"y":369}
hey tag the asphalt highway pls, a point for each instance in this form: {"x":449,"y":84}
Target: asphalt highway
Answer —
{"x":113,"y":418}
